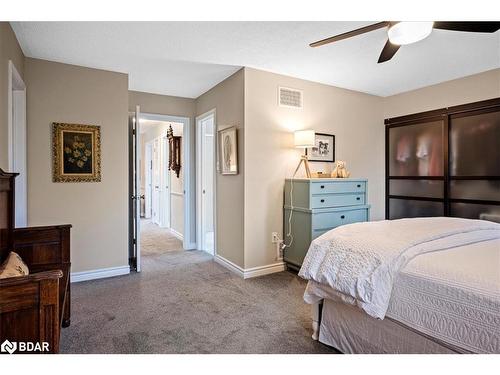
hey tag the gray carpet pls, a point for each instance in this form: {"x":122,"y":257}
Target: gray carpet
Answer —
{"x":156,"y":240}
{"x":184,"y":302}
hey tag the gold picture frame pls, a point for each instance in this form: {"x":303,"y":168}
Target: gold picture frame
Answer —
{"x":76,"y":153}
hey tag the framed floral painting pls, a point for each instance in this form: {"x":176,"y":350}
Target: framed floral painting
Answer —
{"x":76,"y":153}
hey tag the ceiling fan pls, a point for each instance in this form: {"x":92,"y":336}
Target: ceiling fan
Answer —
{"x":406,"y":32}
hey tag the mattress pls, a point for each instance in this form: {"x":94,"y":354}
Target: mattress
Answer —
{"x":452,"y":296}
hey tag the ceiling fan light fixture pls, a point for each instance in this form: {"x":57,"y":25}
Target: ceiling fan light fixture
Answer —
{"x":407,"y":32}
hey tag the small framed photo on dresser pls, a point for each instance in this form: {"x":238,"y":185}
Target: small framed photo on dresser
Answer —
{"x":324,"y":148}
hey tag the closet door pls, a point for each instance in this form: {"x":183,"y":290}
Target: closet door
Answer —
{"x":416,"y":168}
{"x":475,"y":164}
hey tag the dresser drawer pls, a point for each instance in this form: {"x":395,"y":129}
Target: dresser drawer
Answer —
{"x":337,"y":200}
{"x":338,"y":187}
{"x":318,"y":232}
{"x":328,"y":220}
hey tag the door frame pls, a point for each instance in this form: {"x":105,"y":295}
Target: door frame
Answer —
{"x":199,"y":187}
{"x":188,"y":242}
{"x":165,"y":180}
{"x":17,"y":142}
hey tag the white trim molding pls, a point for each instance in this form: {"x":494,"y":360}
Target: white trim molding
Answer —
{"x":102,"y":273}
{"x":247,"y":273}
{"x":176,"y":234}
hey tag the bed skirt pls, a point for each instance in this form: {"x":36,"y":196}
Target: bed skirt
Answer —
{"x":350,"y":330}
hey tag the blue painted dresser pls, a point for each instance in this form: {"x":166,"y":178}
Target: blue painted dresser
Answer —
{"x":317,"y":206}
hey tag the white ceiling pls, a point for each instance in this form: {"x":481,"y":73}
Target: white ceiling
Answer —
{"x":188,"y":58}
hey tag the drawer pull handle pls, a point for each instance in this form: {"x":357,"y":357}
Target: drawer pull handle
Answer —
{"x":322,"y":201}
{"x":358,"y":198}
{"x":359,"y":185}
{"x":322,"y":186}
{"x":342,"y":217}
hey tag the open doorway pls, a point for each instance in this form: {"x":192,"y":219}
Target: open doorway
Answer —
{"x":160,"y":204}
{"x":205,"y":181}
{"x":162,"y":195}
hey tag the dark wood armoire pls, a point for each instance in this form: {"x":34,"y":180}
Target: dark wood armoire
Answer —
{"x":445,"y":162}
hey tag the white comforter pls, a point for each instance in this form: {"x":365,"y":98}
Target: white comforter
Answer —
{"x":359,"y":261}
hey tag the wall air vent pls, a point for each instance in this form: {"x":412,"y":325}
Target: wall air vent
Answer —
{"x":288,"y":97}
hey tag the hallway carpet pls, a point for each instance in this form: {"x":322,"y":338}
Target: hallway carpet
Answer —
{"x":156,"y":240}
{"x":184,"y":302}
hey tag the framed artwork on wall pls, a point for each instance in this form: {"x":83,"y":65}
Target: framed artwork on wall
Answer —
{"x":324,"y":149}
{"x":76,"y":153}
{"x":228,"y":151}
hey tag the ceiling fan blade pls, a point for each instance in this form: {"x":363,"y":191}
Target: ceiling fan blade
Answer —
{"x":350,"y":34}
{"x":472,"y":27}
{"x":388,"y":52}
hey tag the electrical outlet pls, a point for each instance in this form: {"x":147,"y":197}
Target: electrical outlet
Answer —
{"x":275,"y":238}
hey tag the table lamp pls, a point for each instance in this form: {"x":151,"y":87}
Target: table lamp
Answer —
{"x":304,"y":139}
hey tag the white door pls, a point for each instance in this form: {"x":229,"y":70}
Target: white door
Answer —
{"x":206,"y":183}
{"x":156,"y":182}
{"x":165,"y":185}
{"x":148,"y":171}
{"x":17,"y":143}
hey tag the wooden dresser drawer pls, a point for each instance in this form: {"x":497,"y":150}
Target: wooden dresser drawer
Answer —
{"x":329,"y":220}
{"x":337,"y":200}
{"x":328,"y":187}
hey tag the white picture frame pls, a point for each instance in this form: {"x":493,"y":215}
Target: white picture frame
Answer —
{"x":228,"y":151}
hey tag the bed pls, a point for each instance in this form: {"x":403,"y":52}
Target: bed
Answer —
{"x":433,"y":289}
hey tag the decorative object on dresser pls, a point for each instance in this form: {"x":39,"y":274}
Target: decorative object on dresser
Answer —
{"x":35,"y":306}
{"x":323,"y":148}
{"x":340,"y":170}
{"x":174,"y":148}
{"x":76,"y":153}
{"x":303,"y":139}
{"x":228,"y":154}
{"x":444,"y":162}
{"x":313,"y":207}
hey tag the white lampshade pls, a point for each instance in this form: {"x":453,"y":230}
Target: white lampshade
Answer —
{"x":409,"y":32}
{"x":304,"y":138}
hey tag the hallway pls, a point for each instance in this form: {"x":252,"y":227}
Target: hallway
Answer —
{"x":156,"y":240}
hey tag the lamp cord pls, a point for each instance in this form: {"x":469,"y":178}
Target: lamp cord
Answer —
{"x":289,"y":234}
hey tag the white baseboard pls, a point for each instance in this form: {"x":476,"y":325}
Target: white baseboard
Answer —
{"x":177,"y":234}
{"x":229,"y":265}
{"x":264,"y":270}
{"x":250,"y":272}
{"x":102,"y":273}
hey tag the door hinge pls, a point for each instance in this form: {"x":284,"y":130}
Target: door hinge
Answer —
{"x":134,"y":241}
{"x":133,"y":131}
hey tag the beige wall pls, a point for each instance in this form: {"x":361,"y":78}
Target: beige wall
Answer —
{"x":228,"y":100}
{"x":469,"y":89}
{"x":354,"y":118}
{"x":9,"y":50}
{"x":98,"y":211}
{"x":173,"y":106}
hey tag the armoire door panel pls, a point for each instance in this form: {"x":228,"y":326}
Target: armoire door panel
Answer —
{"x":417,"y":188}
{"x":488,"y":190}
{"x":416,"y":150}
{"x":475,"y":211}
{"x":407,"y":208}
{"x":475,"y":145}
